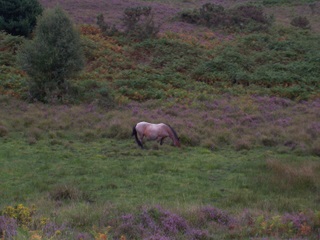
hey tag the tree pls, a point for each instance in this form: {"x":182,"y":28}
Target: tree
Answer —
{"x":52,"y":57}
{"x":18,"y":17}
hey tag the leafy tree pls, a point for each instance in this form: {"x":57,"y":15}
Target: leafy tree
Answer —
{"x":18,"y":17}
{"x":53,"y":56}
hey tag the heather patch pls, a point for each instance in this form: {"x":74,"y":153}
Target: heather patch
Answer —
{"x":8,"y":227}
{"x":156,"y":222}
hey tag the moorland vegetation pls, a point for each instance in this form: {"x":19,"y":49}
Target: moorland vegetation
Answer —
{"x":239,"y":85}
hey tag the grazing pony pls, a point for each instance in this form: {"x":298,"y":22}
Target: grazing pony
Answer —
{"x":154,"y":132}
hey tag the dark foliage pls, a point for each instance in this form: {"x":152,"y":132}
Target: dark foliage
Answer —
{"x":246,"y":18}
{"x":54,"y":55}
{"x":105,"y":28}
{"x":212,"y":15}
{"x":138,"y":24}
{"x":300,"y":22}
{"x":18,"y":17}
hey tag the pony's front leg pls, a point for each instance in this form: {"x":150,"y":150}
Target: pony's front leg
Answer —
{"x":161,"y":140}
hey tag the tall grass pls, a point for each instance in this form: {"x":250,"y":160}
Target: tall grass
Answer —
{"x":299,"y":176}
{"x":243,"y":123}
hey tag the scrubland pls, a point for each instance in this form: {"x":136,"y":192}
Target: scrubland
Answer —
{"x":244,"y":102}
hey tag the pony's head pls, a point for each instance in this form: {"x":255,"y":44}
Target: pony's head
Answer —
{"x":177,"y":143}
{"x":175,"y":138}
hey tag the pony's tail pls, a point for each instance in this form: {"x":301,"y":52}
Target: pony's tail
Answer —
{"x":135,"y":134}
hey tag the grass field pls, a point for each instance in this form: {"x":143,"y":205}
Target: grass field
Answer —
{"x":89,"y":179}
{"x":118,"y":172}
{"x":244,"y":101}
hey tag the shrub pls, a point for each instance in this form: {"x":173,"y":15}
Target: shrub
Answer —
{"x":66,"y":192}
{"x":300,"y":22}
{"x":53,"y":56}
{"x":190,"y":16}
{"x":18,"y":17}
{"x":22,"y":214}
{"x":249,"y":18}
{"x":246,"y":18}
{"x":104,"y":27}
{"x":212,"y":15}
{"x":139,"y":23}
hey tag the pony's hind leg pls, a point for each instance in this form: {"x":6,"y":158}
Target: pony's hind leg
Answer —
{"x":141,"y":141}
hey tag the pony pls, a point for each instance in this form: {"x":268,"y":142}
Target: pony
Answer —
{"x":153,"y":131}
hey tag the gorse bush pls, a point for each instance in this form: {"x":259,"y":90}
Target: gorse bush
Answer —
{"x":22,"y":214}
{"x":53,"y":56}
{"x":18,"y":17}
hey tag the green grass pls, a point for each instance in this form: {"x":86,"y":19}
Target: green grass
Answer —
{"x":120,"y":173}
{"x":78,"y":165}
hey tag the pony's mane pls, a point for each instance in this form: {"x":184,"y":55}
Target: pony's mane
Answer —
{"x":174,"y":132}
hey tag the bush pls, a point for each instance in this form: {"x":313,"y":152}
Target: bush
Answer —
{"x":139,"y":23}
{"x":246,"y":18}
{"x":249,"y":18}
{"x":190,"y":16}
{"x":18,"y":17}
{"x":300,"y":22}
{"x":23,"y":215}
{"x":212,"y":15}
{"x":104,"y":27}
{"x":53,"y":56}
{"x":66,"y":192}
